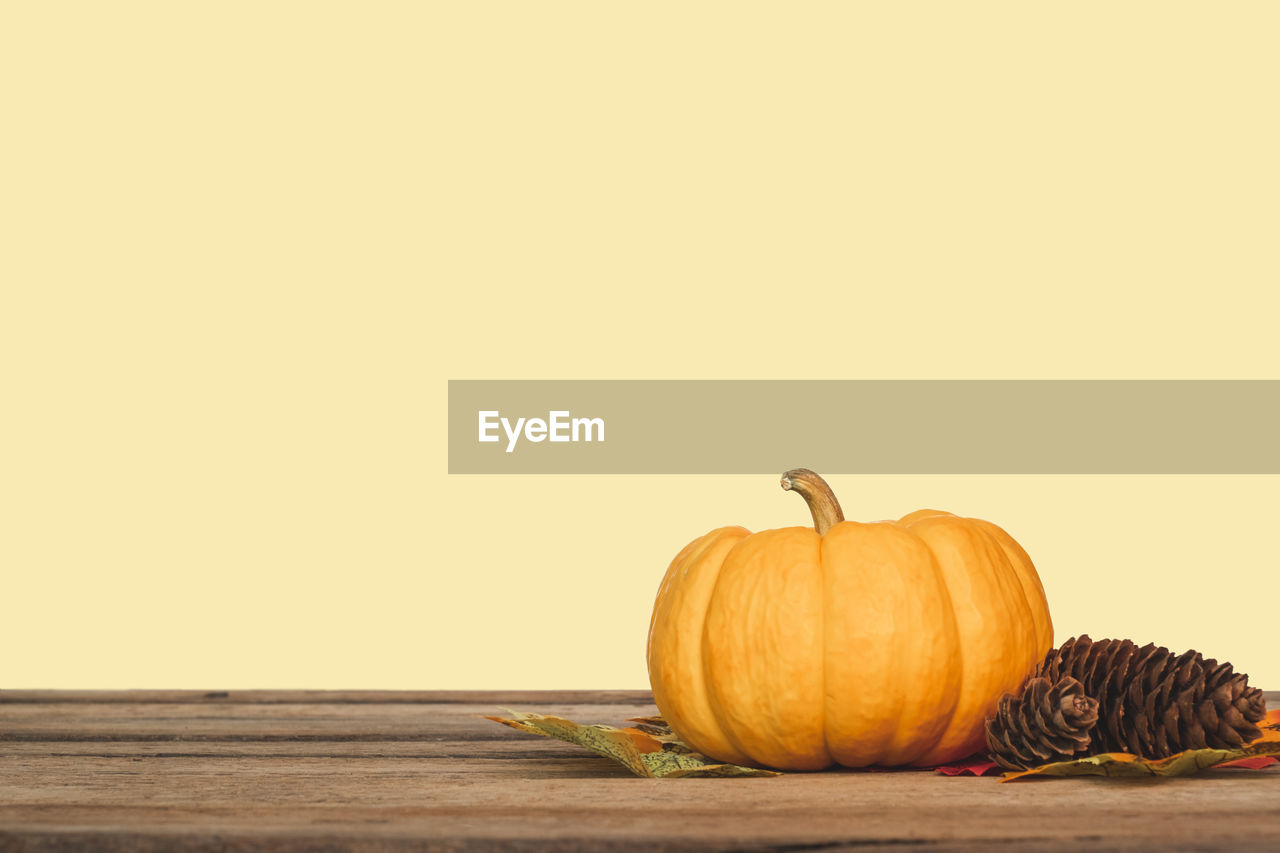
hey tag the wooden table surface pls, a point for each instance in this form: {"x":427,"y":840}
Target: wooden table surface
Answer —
{"x":375,"y":771}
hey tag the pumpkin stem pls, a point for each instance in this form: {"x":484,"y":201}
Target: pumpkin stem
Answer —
{"x":818,"y":495}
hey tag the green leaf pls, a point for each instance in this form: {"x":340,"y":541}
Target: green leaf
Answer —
{"x":1123,"y":764}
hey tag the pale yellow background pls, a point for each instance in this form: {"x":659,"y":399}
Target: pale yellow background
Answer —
{"x":244,"y":245}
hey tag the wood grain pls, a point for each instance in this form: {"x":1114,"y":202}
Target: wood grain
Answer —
{"x":379,"y":771}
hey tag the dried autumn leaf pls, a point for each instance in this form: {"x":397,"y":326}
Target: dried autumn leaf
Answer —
{"x":1181,"y":764}
{"x":655,"y":754}
{"x":979,"y":766}
{"x":1256,"y":763}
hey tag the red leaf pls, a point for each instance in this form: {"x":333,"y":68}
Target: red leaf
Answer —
{"x":1255,"y":763}
{"x":977,"y":766}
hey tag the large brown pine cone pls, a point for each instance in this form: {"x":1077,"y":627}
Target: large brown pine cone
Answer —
{"x":1149,"y":702}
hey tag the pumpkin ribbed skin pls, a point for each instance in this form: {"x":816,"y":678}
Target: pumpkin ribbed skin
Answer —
{"x":871,"y":644}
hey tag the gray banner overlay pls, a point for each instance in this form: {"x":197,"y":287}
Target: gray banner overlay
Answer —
{"x":867,"y":427}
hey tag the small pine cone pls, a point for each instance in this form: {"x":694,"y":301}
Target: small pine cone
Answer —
{"x":1150,"y":702}
{"x":1048,"y":721}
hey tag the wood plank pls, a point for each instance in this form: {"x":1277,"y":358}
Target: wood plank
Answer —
{"x":277,"y":721}
{"x":833,"y":809}
{"x":171,"y":771}
{"x":474,"y":750}
{"x":330,"y":697}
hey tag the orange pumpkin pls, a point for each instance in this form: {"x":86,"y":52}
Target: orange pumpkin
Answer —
{"x":846,"y":643}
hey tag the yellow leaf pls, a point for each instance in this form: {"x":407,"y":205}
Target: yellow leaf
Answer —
{"x":1270,"y":727}
{"x":648,"y":754}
